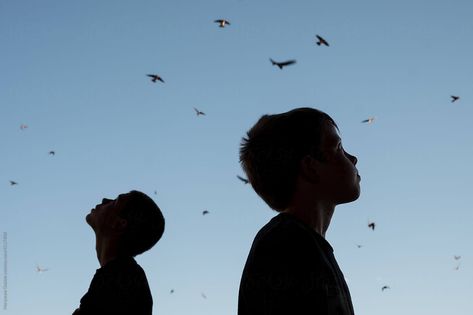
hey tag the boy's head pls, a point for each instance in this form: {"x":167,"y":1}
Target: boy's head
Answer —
{"x":280,"y":147}
{"x":132,"y":218}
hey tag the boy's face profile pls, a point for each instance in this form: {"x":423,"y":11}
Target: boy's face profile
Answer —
{"x":105,"y":218}
{"x":338,"y":175}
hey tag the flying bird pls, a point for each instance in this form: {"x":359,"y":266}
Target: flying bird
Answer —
{"x":321,"y":41}
{"x":205,"y":212}
{"x":372,"y":225}
{"x":39,"y":269}
{"x":172,"y":291}
{"x":369,"y":120}
{"x":457,"y":257}
{"x":359,"y":246}
{"x":203,"y":295}
{"x":222,"y":22}
{"x":52,"y":152}
{"x":283,"y":63}
{"x":155,"y":77}
{"x":198,"y":112}
{"x":244,"y":180}
{"x":454,"y":98}
{"x":23,"y":126}
{"x":12,"y":183}
{"x":385,"y":287}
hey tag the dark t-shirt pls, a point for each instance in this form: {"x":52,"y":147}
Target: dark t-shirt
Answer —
{"x":291,"y":270}
{"x":120,"y":287}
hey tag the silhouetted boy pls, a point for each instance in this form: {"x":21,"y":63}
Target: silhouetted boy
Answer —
{"x":124,"y":227}
{"x":295,"y":161}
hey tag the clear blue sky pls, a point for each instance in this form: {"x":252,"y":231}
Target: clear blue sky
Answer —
{"x":75,"y":73}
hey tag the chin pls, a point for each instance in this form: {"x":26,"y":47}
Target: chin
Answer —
{"x":354,"y":195}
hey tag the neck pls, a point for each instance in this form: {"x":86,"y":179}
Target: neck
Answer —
{"x":107,"y":249}
{"x":316,"y":216}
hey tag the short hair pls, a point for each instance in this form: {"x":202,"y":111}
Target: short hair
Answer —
{"x":145,"y":224}
{"x":271,"y":153}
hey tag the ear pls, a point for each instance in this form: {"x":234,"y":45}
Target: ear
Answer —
{"x":120,"y":224}
{"x":308,"y":169}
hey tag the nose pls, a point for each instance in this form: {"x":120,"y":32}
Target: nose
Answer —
{"x":105,"y":201}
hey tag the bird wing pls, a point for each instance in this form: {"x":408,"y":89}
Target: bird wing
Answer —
{"x":242,"y":179}
{"x":322,"y":40}
{"x":287,"y":63}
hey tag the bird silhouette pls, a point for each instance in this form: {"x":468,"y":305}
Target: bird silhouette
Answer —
{"x":52,"y":152}
{"x":39,"y":269}
{"x":12,"y":183}
{"x":222,"y":22}
{"x":198,"y":112}
{"x":455,"y":98}
{"x":283,"y":63}
{"x":321,"y":41}
{"x":203,"y":295}
{"x":23,"y":126}
{"x":359,"y":246}
{"x":372,"y":225}
{"x":244,"y":180}
{"x":385,"y":287}
{"x":457,"y":257}
{"x":172,"y":291}
{"x":369,"y":120}
{"x":155,"y":77}
{"x":205,"y":212}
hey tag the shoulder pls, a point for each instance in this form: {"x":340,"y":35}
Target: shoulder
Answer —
{"x":283,"y":241}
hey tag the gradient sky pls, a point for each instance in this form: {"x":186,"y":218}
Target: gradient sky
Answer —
{"x":75,"y":73}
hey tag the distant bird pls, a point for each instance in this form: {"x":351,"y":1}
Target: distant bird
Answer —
{"x":359,"y":246}
{"x":205,"y":212}
{"x":198,"y":112}
{"x":155,"y":77}
{"x":283,"y":63}
{"x":321,"y":41}
{"x":155,"y":192}
{"x":369,"y":120}
{"x":457,"y":257}
{"x":372,"y":225}
{"x":23,"y":126}
{"x":52,"y":152}
{"x":12,"y":183}
{"x":244,"y":180}
{"x":203,"y":295}
{"x":457,"y":267}
{"x":222,"y":22}
{"x":454,"y":98}
{"x":39,"y":269}
{"x":172,"y":291}
{"x":385,"y":287}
